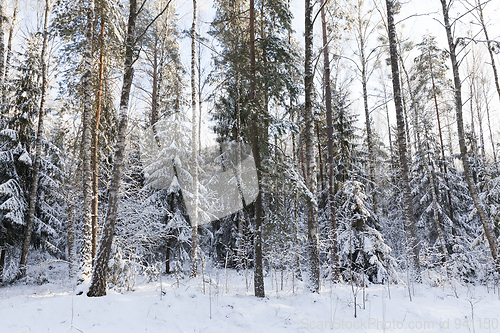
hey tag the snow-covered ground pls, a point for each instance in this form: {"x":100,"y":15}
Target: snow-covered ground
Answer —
{"x":228,"y":307}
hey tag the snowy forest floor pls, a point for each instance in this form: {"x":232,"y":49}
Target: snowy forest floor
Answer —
{"x":226,"y":306}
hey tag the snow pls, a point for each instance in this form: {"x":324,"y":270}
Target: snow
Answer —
{"x":228,"y":307}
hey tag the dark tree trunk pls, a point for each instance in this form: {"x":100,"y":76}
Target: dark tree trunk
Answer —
{"x":408,"y":204}
{"x":38,"y":150}
{"x":334,"y":258}
{"x":99,"y":275}
{"x":311,"y":181}
{"x":2,"y":263}
{"x":485,"y":220}
{"x":259,"y":274}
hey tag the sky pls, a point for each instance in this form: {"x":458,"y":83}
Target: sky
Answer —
{"x":417,"y":17}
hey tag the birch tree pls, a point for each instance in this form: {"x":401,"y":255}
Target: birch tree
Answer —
{"x":86,"y":145}
{"x":310,"y":157}
{"x":38,"y":148}
{"x":485,"y":220}
{"x":99,"y":273}
{"x":195,"y":143}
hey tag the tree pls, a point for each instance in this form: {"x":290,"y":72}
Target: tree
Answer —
{"x":311,"y":182}
{"x":403,"y":159}
{"x":38,"y":147}
{"x":99,"y":274}
{"x":485,"y":220}
{"x":195,"y":143}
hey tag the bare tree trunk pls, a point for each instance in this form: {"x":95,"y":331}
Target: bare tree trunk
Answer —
{"x":445,"y":168}
{"x":485,"y":220}
{"x":489,"y":126}
{"x":311,"y":181}
{"x":95,"y":143}
{"x":194,"y":135}
{"x":334,"y":258}
{"x":2,"y":48}
{"x":2,"y":263}
{"x":99,"y":275}
{"x":408,"y":209}
{"x":259,"y":274}
{"x":38,"y":149}
{"x":70,"y":230}
{"x":9,"y":53}
{"x":86,"y":146}
{"x":489,"y":45}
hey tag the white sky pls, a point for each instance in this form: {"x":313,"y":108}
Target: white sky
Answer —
{"x":413,"y":27}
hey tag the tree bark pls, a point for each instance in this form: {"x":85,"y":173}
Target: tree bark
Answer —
{"x":485,"y":220}
{"x":86,"y":146}
{"x":38,"y":149}
{"x":9,"y":52}
{"x":95,"y":143}
{"x":334,"y":258}
{"x":408,"y":204}
{"x":2,"y":48}
{"x":2,"y":263}
{"x":311,"y":181}
{"x":488,"y":44}
{"x":99,"y":275}
{"x":194,"y":138}
{"x":259,"y":274}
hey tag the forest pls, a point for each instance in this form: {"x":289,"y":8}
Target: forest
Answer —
{"x":150,"y":138}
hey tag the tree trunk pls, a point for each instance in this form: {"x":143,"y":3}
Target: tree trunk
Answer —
{"x":489,"y":126}
{"x":194,"y":138}
{"x":485,"y":220}
{"x":9,"y":53}
{"x":71,"y":234}
{"x":489,"y":45}
{"x":311,"y":181}
{"x":2,"y":263}
{"x":38,"y":149}
{"x":99,"y":275}
{"x":334,"y":258}
{"x":259,"y":274}
{"x":86,"y":146}
{"x":408,"y":204}
{"x":2,"y":48}
{"x":95,"y":143}
{"x":445,"y":169}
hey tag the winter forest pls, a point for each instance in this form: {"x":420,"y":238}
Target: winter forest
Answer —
{"x":286,"y":146}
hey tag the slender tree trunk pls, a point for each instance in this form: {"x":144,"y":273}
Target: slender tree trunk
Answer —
{"x":408,"y":209}
{"x":8,"y":57}
{"x":2,"y":263}
{"x":485,"y":220}
{"x":334,"y":258}
{"x":99,"y":274}
{"x":489,"y":126}
{"x":95,"y":143}
{"x":86,"y":146}
{"x":194,"y":135}
{"x":2,"y":48}
{"x":320,"y":159}
{"x":489,"y":45}
{"x":445,"y":168}
{"x":259,"y":274}
{"x":71,"y":234}
{"x":311,"y":181}
{"x":38,"y":149}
